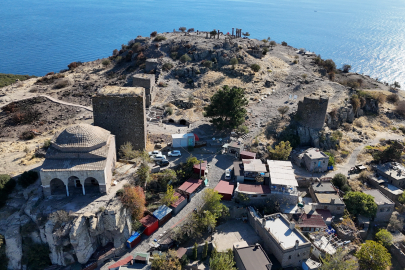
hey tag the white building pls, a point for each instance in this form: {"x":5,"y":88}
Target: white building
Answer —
{"x":183,"y":140}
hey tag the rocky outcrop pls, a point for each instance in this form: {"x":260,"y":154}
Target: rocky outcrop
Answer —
{"x":13,"y":242}
{"x":308,"y":136}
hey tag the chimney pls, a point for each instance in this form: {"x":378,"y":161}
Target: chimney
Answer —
{"x":292,"y":225}
{"x":332,"y":201}
{"x":296,"y":244}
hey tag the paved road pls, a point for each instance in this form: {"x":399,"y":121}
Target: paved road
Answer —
{"x":53,"y":100}
{"x":217,"y":165}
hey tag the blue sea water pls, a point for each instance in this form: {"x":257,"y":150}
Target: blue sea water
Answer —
{"x":37,"y":37}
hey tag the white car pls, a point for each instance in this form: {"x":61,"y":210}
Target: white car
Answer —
{"x":174,"y":153}
{"x":227,"y":174}
{"x":158,"y":157}
{"x":155,"y":153}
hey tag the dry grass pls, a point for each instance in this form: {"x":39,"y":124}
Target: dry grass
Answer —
{"x":355,"y":185}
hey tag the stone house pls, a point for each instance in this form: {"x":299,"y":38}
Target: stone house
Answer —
{"x":282,"y":181}
{"x":146,"y":81}
{"x":251,"y":257}
{"x":315,"y":160}
{"x":331,"y":202}
{"x":389,"y":190}
{"x":281,"y":238}
{"x":393,"y":172}
{"x":385,"y":207}
{"x":80,"y":160}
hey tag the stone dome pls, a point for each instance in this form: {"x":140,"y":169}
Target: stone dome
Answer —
{"x":80,"y":138}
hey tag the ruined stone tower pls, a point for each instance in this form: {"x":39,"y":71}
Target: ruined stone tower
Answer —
{"x":121,"y":110}
{"x":146,"y":81}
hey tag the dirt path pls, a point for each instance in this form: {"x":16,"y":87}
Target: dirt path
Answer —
{"x":53,"y":100}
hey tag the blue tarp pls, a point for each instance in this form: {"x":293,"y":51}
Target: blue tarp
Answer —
{"x":161,"y":212}
{"x":132,"y":239}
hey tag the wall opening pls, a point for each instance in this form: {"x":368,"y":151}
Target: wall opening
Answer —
{"x":91,"y":186}
{"x":74,"y":186}
{"x":183,"y":122}
{"x":171,"y":121}
{"x":57,"y":187}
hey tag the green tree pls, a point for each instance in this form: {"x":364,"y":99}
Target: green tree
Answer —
{"x":166,"y":261}
{"x":36,"y":256}
{"x":213,"y":33}
{"x":227,"y":108}
{"x":384,"y":237}
{"x":393,"y":152}
{"x":283,"y":110}
{"x":346,"y":68}
{"x":280,"y":151}
{"x":233,"y":62}
{"x":331,"y":161}
{"x":272,"y":44}
{"x":337,"y":261}
{"x":169,"y":197}
{"x":205,"y":250}
{"x":401,"y":198}
{"x":127,"y":151}
{"x":106,"y":62}
{"x":339,"y":180}
{"x":195,"y":251}
{"x":373,"y":256}
{"x":182,"y":29}
{"x":133,"y":198}
{"x":143,"y":174}
{"x":222,"y":260}
{"x":207,"y":64}
{"x":359,"y":203}
{"x":185,"y":58}
{"x":212,"y":203}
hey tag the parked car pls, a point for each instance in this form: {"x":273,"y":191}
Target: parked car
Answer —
{"x":155,"y":153}
{"x":174,"y":153}
{"x":158,"y":157}
{"x":163,"y":162}
{"x":228,"y":174}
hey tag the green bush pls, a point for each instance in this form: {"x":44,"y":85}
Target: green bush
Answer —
{"x":167,"y":66}
{"x":174,"y":55}
{"x":337,"y":135}
{"x":46,"y":144}
{"x":159,"y":38}
{"x":195,"y":251}
{"x":339,"y":180}
{"x":106,"y":62}
{"x":255,"y":67}
{"x":284,"y":43}
{"x":7,"y":79}
{"x":185,"y":58}
{"x":207,"y":64}
{"x":331,"y":161}
{"x":36,"y":256}
{"x":27,"y":178}
{"x":169,"y":110}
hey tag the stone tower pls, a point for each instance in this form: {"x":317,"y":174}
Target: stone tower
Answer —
{"x":312,"y":111}
{"x":146,"y":81}
{"x":121,"y":110}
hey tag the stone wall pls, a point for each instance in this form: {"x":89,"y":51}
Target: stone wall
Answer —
{"x":397,"y":252}
{"x":123,"y":116}
{"x":146,"y":81}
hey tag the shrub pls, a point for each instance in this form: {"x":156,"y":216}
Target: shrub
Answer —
{"x":74,"y":65}
{"x":284,"y":43}
{"x":167,"y":66}
{"x":162,"y":84}
{"x":346,"y":68}
{"x":331,"y":161}
{"x":347,"y":127}
{"x":115,"y":52}
{"x":190,"y":30}
{"x":119,"y":192}
{"x":174,"y":55}
{"x":339,"y":180}
{"x":159,"y":38}
{"x":36,"y":256}
{"x":207,"y":64}
{"x":185,"y":58}
{"x":234,"y":61}
{"x":133,"y":198}
{"x":337,"y":135}
{"x":27,"y":178}
{"x":401,"y":107}
{"x":46,"y":144}
{"x":153,"y":34}
{"x":255,"y":67}
{"x":393,"y":98}
{"x":106,"y":62}
{"x":195,"y":251}
{"x":182,"y":29}
{"x":61,"y":84}
{"x":27,"y":135}
{"x":242,"y":129}
{"x":169,"y":110}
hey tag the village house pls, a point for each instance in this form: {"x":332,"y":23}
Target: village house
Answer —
{"x":326,"y":197}
{"x":233,"y":148}
{"x":281,"y":238}
{"x":80,"y":160}
{"x":385,"y":206}
{"x":393,"y":172}
{"x":253,"y":192}
{"x":389,"y":190}
{"x":309,"y":222}
{"x":282,"y":181}
{"x":251,"y":257}
{"x":248,"y":169}
{"x":315,"y":160}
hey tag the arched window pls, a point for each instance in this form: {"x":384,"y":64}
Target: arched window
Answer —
{"x":91,"y":186}
{"x":57,"y":187}
{"x":75,"y":186}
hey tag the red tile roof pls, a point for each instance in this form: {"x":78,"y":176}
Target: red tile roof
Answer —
{"x":190,"y":185}
{"x":324,"y":213}
{"x":203,"y":165}
{"x":148,"y":220}
{"x":249,"y":154}
{"x":312,"y":221}
{"x":122,"y":262}
{"x":258,"y":189}
{"x":224,"y":187}
{"x":180,"y":199}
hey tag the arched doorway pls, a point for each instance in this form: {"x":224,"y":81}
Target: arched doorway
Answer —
{"x":91,"y":186}
{"x":57,"y":187}
{"x":75,"y":186}
{"x":183,"y":122}
{"x":171,"y":121}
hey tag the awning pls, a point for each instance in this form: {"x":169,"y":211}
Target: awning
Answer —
{"x":196,"y":137}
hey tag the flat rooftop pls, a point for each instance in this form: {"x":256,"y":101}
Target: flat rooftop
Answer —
{"x":379,"y":198}
{"x":253,"y":165}
{"x":120,"y":91}
{"x":323,"y":187}
{"x":328,"y":197}
{"x":254,"y":258}
{"x":280,"y":229}
{"x":281,"y":173}
{"x":253,"y":189}
{"x":393,"y":169}
{"x":393,"y":189}
{"x":314,"y":153}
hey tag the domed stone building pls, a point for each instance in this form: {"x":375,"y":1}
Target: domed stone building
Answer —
{"x":80,"y":160}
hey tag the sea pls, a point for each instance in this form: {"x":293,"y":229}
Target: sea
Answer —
{"x":40,"y":36}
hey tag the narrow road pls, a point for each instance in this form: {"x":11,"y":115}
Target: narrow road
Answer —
{"x":53,"y":100}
